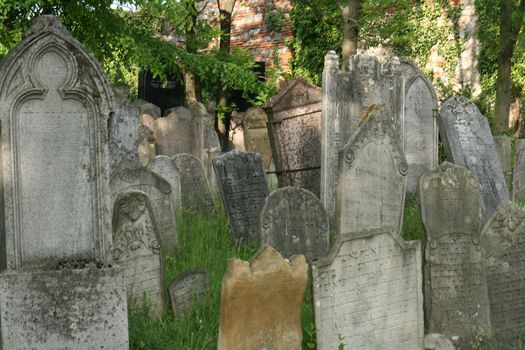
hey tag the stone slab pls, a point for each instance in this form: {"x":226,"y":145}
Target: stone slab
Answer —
{"x":173,"y":133}
{"x":188,"y":289}
{"x":368,"y":291}
{"x":164,"y":167}
{"x":124,"y":133}
{"x":456,"y":297}
{"x":504,"y":151}
{"x":66,"y":309}
{"x":242,"y":184}
{"x":468,"y":142}
{"x":261,"y":302}
{"x":294,"y":221}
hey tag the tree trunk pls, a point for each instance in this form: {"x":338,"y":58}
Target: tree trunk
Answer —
{"x":350,"y":16}
{"x":509,"y":32}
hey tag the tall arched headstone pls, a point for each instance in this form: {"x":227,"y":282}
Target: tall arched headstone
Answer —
{"x":58,"y":290}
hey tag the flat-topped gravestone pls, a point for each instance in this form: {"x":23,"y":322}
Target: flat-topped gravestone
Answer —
{"x":164,"y":167}
{"x":243,"y":188}
{"x":187,"y":290}
{"x":294,"y":221}
{"x":456,"y":299}
{"x":518,"y":173}
{"x":371,"y":189}
{"x":420,"y":132}
{"x":503,"y":244}
{"x":124,"y":133}
{"x":261,"y":302}
{"x":195,"y":191}
{"x":468,"y":142}
{"x":368,"y":291}
{"x":173,"y":133}
{"x":503,"y":145}
{"x":294,"y":131}
{"x":130,"y":176}
{"x":136,"y":247}
{"x":57,"y":290}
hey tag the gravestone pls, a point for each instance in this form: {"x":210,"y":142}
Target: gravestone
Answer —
{"x":164,"y":94}
{"x":368,"y":291}
{"x":371,"y":189}
{"x":243,"y":188}
{"x":469,"y":143}
{"x":346,"y":100}
{"x":164,"y":167}
{"x":261,"y":302}
{"x":131,"y":176}
{"x":124,"y":133}
{"x":503,"y":244}
{"x":504,"y":151}
{"x":294,"y":221}
{"x":518,"y":173}
{"x":136,"y":248}
{"x":187,"y":289}
{"x":173,"y":133}
{"x":58,"y":289}
{"x":294,"y":131}
{"x":456,"y":299}
{"x":420,"y":132}
{"x":195,"y":191}
{"x":148,"y":108}
{"x":256,"y":134}
{"x":146,"y":148}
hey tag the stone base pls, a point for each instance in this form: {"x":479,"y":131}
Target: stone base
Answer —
{"x":64,"y":309}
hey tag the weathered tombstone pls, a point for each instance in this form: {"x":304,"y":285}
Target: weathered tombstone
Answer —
{"x":243,"y":188}
{"x":456,"y":299}
{"x":504,"y":151}
{"x":503,"y":244}
{"x":57,"y":289}
{"x":124,"y":132}
{"x":469,"y":143}
{"x":271,"y":177}
{"x":173,"y":133}
{"x":146,"y":148}
{"x":164,"y":167}
{"x":164,"y":94}
{"x":195,"y":191}
{"x":518,"y":173}
{"x":371,"y":189}
{"x":368,"y":292}
{"x":256,"y":134}
{"x":294,"y":221}
{"x":148,"y":108}
{"x":136,"y":247}
{"x":261,"y":302}
{"x":419,"y":119}
{"x":130,"y":176}
{"x":187,"y":289}
{"x":294,"y":130}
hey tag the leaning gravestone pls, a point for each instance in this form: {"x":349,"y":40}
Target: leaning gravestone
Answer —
{"x":368,"y":291}
{"x":187,"y":289}
{"x":57,"y":289}
{"x":469,"y":143}
{"x":294,"y":221}
{"x":371,"y":189}
{"x":503,"y":244}
{"x":164,"y":167}
{"x":261,"y":302}
{"x":195,"y":191}
{"x":124,"y":132}
{"x":294,"y":131}
{"x":243,"y":188}
{"x":136,"y":247}
{"x":518,"y":173}
{"x":456,"y":299}
{"x":130,"y":176}
{"x":420,"y":132}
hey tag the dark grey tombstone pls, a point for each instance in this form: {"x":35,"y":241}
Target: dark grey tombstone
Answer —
{"x":294,"y":131}
{"x":243,"y":188}
{"x":456,"y":297}
{"x":130,"y":176}
{"x":186,"y":290}
{"x":294,"y":221}
{"x":468,"y":142}
{"x":503,"y":244}
{"x":195,"y":191}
